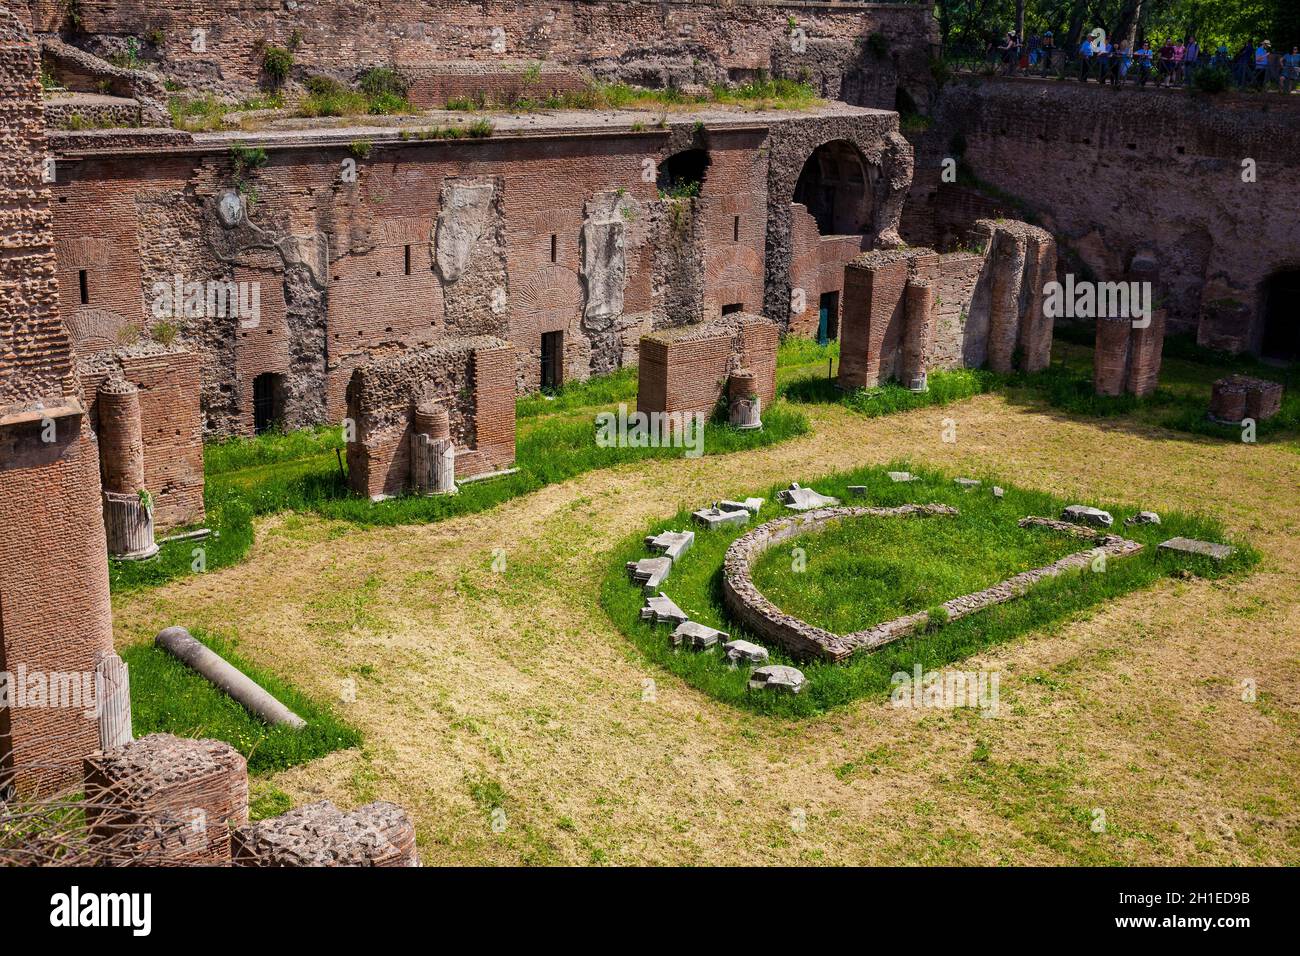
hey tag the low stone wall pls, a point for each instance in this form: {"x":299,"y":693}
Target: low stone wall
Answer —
{"x":747,"y":605}
{"x":84,"y":72}
{"x":685,"y":369}
{"x":488,"y":83}
{"x":472,"y":378}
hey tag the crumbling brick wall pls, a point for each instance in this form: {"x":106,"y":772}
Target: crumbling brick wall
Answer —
{"x":55,"y":617}
{"x":651,"y":42}
{"x":816,"y":268}
{"x":685,"y":369}
{"x":1108,"y":176}
{"x":473,"y":378}
{"x":171,"y":423}
{"x":980,"y":307}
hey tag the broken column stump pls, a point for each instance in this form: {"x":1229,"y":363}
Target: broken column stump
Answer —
{"x":128,"y":509}
{"x":744,"y":405}
{"x":433,"y":454}
{"x":166,"y":801}
{"x":320,"y":834}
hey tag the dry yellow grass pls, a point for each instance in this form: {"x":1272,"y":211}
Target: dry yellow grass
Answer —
{"x":479,"y":688}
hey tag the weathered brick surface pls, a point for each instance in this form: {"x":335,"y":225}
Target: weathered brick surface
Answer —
{"x":473,"y":379}
{"x":685,"y":369}
{"x":55,"y":616}
{"x":171,"y":424}
{"x":1239,"y":397}
{"x":647,"y":41}
{"x":1109,"y":175}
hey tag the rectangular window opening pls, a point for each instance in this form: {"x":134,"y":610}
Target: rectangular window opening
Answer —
{"x":84,"y":285}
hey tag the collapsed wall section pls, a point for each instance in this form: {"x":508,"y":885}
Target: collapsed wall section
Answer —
{"x":685,"y":369}
{"x":471,"y":378}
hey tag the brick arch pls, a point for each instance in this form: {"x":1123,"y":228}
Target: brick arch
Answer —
{"x":94,"y":330}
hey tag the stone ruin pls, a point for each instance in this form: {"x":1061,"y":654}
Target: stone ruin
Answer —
{"x":1128,"y":350}
{"x":690,"y":369}
{"x":1238,"y":397}
{"x":909,"y":310}
{"x":84,"y":791}
{"x":427,"y":416}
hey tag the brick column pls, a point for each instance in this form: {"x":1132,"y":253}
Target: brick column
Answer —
{"x":918,"y":331}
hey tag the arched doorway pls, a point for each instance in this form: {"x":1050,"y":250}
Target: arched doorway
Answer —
{"x":835,"y":187}
{"x":1281,"y":306}
{"x":682,"y":174}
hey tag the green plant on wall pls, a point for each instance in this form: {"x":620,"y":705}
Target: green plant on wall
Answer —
{"x":146,"y":500}
{"x":277,"y":62}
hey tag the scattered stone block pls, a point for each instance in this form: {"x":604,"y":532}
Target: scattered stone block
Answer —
{"x":650,"y":572}
{"x":717,"y":517}
{"x":804,"y":499}
{"x":999,"y":492}
{"x":752,"y":505}
{"x":902,"y":476}
{"x":1143,"y":517}
{"x":1208,"y":549}
{"x":320,"y":834}
{"x":778,"y":677}
{"x":1083,"y":514}
{"x":967,"y":484}
{"x":857,"y":491}
{"x":672,"y":543}
{"x":661,"y":610}
{"x":746,"y":651}
{"x":697,"y":636}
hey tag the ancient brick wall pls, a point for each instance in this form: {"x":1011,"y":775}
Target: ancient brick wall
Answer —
{"x":653,"y":42}
{"x":513,"y":236}
{"x":961,"y":309}
{"x":685,"y":369}
{"x":472,"y":378}
{"x":1111,"y":173}
{"x":816,"y":268}
{"x":55,"y":616}
{"x":171,"y":423}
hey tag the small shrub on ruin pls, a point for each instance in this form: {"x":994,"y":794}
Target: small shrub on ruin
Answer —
{"x":277,"y":62}
{"x":480,"y":129}
{"x":164,"y":332}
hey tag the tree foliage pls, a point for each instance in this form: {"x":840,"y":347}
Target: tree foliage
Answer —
{"x":974,"y":23}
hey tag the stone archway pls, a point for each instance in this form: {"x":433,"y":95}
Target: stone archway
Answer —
{"x":835,"y":185}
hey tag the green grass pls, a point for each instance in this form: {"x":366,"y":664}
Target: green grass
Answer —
{"x":862,"y":572}
{"x":168,"y":697}
{"x":300,"y":472}
{"x":759,"y":94}
{"x":945,"y":387}
{"x":695,"y":584}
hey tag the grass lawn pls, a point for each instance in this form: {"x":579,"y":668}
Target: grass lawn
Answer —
{"x":983,"y":537}
{"x":168,"y":697}
{"x":856,"y":573}
{"x":302,"y":471}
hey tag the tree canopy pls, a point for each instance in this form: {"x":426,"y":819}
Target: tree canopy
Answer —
{"x":973,"y":23}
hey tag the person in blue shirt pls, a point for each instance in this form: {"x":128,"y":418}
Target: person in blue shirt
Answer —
{"x":1085,"y":59}
{"x":1291,"y":70}
{"x":1142,"y":56}
{"x":1191,"y":54}
{"x":1261,"y":63}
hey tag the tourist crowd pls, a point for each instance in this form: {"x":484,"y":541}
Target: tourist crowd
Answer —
{"x":1171,"y":63}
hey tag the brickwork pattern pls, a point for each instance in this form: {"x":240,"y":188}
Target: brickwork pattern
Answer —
{"x":685,"y":370}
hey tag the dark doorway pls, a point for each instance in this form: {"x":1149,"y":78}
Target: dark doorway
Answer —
{"x":1281,"y":339}
{"x":681,"y":175}
{"x":733,"y":308}
{"x":268,"y":392}
{"x":834,"y":187}
{"x":552,"y":359}
{"x":828,"y":318}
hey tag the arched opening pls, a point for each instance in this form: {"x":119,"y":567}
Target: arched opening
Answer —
{"x":835,"y":187}
{"x":681,"y":175}
{"x":1281,"y":333}
{"x":268,"y":401}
